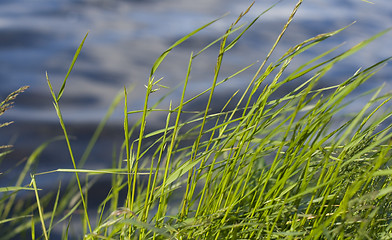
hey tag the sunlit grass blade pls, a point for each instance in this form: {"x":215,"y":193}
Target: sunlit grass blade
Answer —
{"x":178,"y":42}
{"x":40,"y":211}
{"x":70,"y":68}
{"x":57,"y":108}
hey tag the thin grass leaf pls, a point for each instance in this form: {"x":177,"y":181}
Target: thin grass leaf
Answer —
{"x":14,"y":189}
{"x":71,"y":67}
{"x":40,"y":211}
{"x":178,"y":42}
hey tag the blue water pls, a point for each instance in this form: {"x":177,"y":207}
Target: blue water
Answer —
{"x":125,"y":38}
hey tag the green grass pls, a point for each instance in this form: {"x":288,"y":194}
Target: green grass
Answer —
{"x":265,"y":169}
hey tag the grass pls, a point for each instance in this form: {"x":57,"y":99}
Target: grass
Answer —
{"x":292,"y":167}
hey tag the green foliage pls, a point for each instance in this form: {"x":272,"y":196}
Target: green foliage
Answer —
{"x":266,"y":169}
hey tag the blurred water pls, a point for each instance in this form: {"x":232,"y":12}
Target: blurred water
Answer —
{"x":125,"y":39}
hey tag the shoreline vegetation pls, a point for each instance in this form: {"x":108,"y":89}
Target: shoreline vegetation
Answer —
{"x":267,"y":168}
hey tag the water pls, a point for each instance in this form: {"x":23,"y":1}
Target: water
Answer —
{"x":125,"y":38}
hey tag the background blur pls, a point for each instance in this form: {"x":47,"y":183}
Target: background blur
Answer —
{"x":125,"y":39}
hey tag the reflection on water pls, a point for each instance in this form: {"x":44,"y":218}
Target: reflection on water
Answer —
{"x":125,"y":39}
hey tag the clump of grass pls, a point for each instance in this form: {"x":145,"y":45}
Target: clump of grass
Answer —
{"x":266,"y":169}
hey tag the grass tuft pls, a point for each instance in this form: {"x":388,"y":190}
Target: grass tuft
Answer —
{"x":293,"y":167}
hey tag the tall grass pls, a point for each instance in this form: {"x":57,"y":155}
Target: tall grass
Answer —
{"x":268,"y":168}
